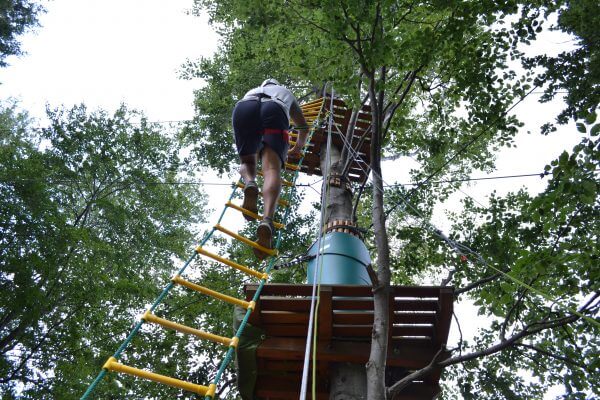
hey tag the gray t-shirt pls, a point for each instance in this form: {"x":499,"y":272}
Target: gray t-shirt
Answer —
{"x":279,"y":94}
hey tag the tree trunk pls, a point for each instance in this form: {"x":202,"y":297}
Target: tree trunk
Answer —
{"x":348,"y":381}
{"x":379,"y":343}
{"x":339,"y":200}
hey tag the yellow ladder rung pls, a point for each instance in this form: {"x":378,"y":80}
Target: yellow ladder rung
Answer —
{"x":292,"y":167}
{"x":277,"y":225}
{"x":310,"y":106}
{"x":315,"y":101}
{"x":302,"y":153}
{"x":149,"y":317}
{"x":239,"y":267}
{"x":113,"y":365}
{"x":271,"y":252}
{"x":283,"y":181}
{"x":281,"y":202}
{"x":217,"y":295}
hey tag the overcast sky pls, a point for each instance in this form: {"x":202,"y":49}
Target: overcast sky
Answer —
{"x":106,"y":52}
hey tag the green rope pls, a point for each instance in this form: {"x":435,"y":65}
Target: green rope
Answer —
{"x":165,"y":291}
{"x":229,"y":355}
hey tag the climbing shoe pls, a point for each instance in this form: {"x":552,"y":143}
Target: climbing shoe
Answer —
{"x":250,"y":199}
{"x":264,"y":234}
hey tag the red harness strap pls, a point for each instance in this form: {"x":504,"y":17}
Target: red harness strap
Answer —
{"x":271,"y":131}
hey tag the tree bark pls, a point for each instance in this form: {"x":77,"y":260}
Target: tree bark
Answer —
{"x":339,"y":200}
{"x":348,"y":381}
{"x":379,"y":342}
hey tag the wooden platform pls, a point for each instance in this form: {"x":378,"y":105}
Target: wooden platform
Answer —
{"x":361,"y":141}
{"x":421,"y":320}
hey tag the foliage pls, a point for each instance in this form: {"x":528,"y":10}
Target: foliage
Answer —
{"x":575,"y":72}
{"x":440,"y":80}
{"x":16,"y":16}
{"x":90,"y":229}
{"x":550,"y":242}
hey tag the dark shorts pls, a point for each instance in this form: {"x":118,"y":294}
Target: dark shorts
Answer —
{"x":258,"y":124}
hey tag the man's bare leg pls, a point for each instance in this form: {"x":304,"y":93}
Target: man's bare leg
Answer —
{"x":271,"y":188}
{"x":248,"y":173}
{"x":248,"y":167}
{"x":271,"y":165}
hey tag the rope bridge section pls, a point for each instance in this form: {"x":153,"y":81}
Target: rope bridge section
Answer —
{"x":315,"y":113}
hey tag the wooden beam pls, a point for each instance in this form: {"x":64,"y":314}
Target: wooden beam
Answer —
{"x":410,"y":354}
{"x":444,"y":316}
{"x":325,"y":321}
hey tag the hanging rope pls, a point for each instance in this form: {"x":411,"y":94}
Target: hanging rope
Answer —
{"x":318,"y":264}
{"x":293,"y":262}
{"x":461,"y":249}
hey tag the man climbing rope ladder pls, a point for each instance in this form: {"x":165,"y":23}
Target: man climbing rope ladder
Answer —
{"x":260,"y":125}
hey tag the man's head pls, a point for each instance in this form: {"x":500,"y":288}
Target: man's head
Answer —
{"x":270,"y":81}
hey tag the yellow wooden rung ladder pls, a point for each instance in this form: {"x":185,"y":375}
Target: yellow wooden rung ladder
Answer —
{"x":113,"y":365}
{"x":254,"y":215}
{"x":251,"y":243}
{"x":165,"y":323}
{"x":232,"y":264}
{"x":217,"y":295}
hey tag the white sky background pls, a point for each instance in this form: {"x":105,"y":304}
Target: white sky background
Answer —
{"x":102,"y":53}
{"x":106,"y":52}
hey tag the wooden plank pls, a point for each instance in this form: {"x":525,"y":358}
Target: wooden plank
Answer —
{"x":415,"y":305}
{"x":352,"y":304}
{"x":274,"y":289}
{"x":397,"y":331}
{"x":325,"y":321}
{"x":414,"y":318}
{"x":347,"y":290}
{"x":342,"y":122}
{"x":364,"y":318}
{"x":410,"y":354}
{"x":283,"y":317}
{"x":352,"y":290}
{"x":444,"y":316}
{"x":416,"y":291}
{"x":285,"y":304}
{"x":282,"y":365}
{"x":287,"y":330}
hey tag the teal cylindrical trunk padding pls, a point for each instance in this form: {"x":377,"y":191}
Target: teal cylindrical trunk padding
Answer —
{"x":344,"y":259}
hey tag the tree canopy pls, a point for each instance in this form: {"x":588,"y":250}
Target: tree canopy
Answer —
{"x":16,"y":17}
{"x":90,"y":228}
{"x":93,"y":222}
{"x":441,"y":78}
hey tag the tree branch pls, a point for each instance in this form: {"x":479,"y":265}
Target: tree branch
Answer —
{"x":551,"y":355}
{"x":476,"y":284}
